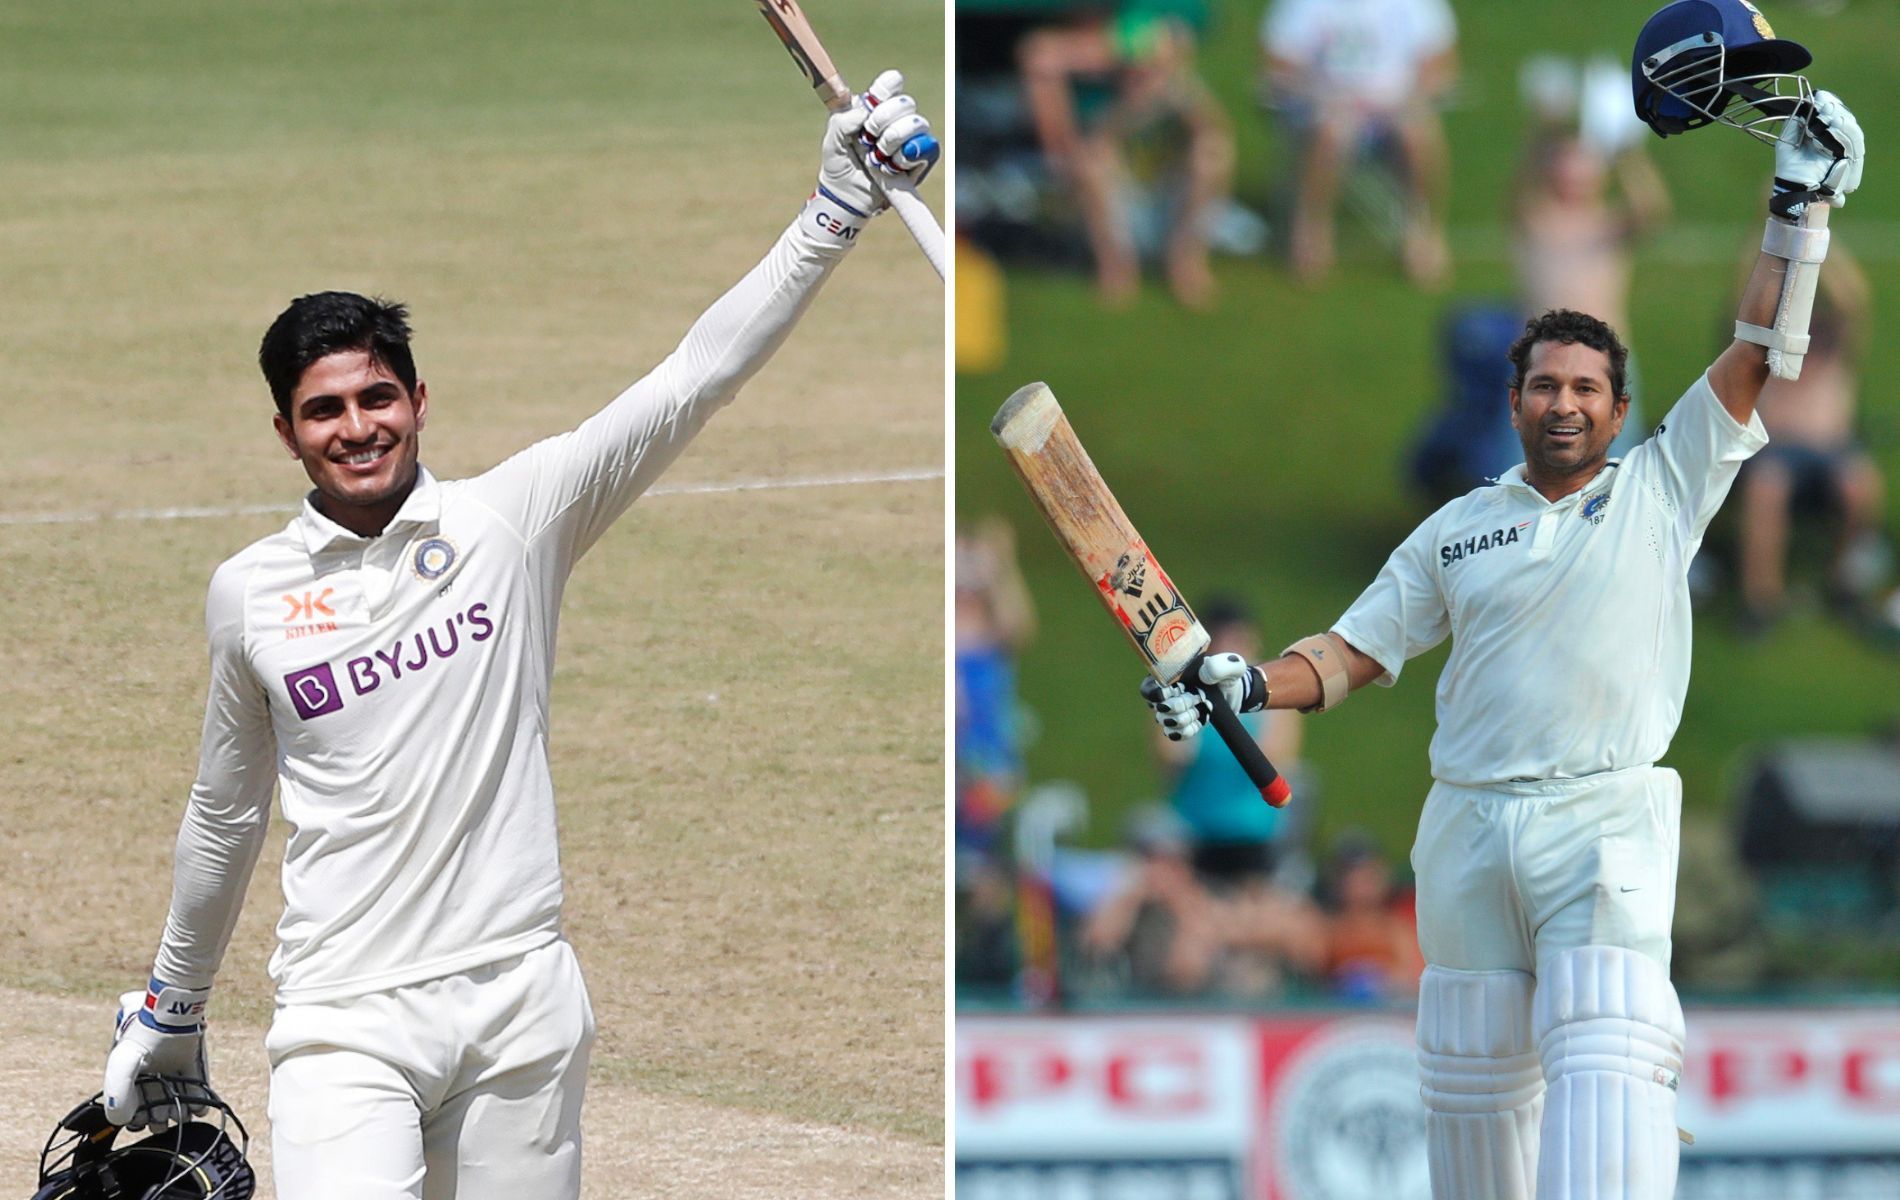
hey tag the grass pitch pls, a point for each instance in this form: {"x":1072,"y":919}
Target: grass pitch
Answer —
{"x":1260,"y":448}
{"x":747,"y":715}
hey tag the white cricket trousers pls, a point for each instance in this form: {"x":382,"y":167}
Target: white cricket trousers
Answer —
{"x":1512,"y":875}
{"x":465,"y":1087}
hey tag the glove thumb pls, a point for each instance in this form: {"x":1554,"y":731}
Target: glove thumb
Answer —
{"x":121,"y":1085}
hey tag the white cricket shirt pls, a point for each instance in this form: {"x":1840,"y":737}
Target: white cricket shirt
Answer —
{"x":1569,"y":620}
{"x":395,"y":688}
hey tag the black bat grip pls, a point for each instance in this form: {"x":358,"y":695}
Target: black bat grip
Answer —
{"x":1273,"y":789}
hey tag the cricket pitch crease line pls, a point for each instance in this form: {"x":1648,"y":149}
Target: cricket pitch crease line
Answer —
{"x":192,"y":513}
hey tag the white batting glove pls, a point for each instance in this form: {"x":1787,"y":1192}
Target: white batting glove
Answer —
{"x":880,"y":136}
{"x":1181,"y":710}
{"x":896,"y":137}
{"x":1824,"y":167}
{"x":1178,"y":709}
{"x":159,"y":1032}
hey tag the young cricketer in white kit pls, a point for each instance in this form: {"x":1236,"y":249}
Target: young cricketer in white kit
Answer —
{"x":385,"y":661}
{"x":1549,"y":1035}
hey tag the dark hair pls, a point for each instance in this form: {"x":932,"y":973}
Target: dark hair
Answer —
{"x":326,"y":323}
{"x":1570,"y":326}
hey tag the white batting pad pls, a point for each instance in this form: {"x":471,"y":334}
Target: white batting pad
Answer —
{"x":1610,"y":1032}
{"x":1481,"y":1082}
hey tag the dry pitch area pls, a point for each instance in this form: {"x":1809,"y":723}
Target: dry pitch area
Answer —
{"x":747,"y":723}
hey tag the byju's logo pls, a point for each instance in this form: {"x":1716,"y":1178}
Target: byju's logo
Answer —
{"x":313,"y":691}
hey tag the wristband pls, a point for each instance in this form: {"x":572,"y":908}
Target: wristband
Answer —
{"x":1256,"y":694}
{"x":172,"y":1009}
{"x":829,"y":222}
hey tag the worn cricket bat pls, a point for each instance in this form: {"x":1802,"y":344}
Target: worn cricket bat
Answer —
{"x":1101,"y":541}
{"x":809,"y":53}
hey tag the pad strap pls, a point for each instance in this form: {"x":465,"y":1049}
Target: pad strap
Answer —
{"x":1328,"y":658}
{"x":1774,"y":339}
{"x":1796,"y":243}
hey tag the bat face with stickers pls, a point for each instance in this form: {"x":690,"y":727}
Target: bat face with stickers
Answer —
{"x":788,"y":21}
{"x":1128,"y":580}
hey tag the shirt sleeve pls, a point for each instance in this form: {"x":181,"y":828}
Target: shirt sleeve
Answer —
{"x":562,"y":493}
{"x":1402,"y":614}
{"x":1693,"y":456}
{"x":229,"y":807}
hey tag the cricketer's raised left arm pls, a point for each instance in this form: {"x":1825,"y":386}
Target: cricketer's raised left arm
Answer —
{"x":562,"y":493}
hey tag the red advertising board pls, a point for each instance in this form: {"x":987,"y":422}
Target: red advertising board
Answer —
{"x":1784,"y":1104}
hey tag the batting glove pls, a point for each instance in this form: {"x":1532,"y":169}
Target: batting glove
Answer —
{"x":1181,"y":708}
{"x":879,"y":137}
{"x":160,"y":1032}
{"x":1819,"y":164}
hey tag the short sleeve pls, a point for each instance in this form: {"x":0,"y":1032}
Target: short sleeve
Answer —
{"x":1692,"y":458}
{"x":1402,"y":614}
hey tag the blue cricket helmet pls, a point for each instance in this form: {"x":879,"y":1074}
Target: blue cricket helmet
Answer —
{"x":1695,"y":58}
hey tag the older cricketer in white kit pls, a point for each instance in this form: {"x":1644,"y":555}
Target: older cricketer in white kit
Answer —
{"x":1549,"y":1035}
{"x":385,"y":662}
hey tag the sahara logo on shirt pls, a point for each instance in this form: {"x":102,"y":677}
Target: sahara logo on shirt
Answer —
{"x":1452,"y":552}
{"x":314,"y":691}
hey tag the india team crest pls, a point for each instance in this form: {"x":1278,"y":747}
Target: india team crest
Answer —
{"x":1594,"y":508}
{"x":1761,"y":23}
{"x":434,"y":557}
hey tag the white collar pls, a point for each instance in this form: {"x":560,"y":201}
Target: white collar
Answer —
{"x":423,"y":506}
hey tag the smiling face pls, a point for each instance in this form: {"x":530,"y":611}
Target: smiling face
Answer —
{"x":354,"y":426}
{"x":1567,"y":415}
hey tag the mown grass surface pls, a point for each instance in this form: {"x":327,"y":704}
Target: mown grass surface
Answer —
{"x":748,"y":709}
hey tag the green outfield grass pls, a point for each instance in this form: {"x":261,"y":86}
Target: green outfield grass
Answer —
{"x":1260,"y":448}
{"x":747,"y":715}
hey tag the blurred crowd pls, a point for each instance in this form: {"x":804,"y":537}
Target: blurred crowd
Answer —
{"x":1213,"y":894}
{"x":1093,"y":140}
{"x":1094,"y":118}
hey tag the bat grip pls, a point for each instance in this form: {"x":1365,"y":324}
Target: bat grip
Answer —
{"x":1273,"y":789}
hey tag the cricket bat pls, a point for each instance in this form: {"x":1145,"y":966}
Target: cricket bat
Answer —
{"x":809,"y":53}
{"x":1128,"y":580}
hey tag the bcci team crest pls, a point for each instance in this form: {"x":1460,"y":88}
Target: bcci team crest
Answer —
{"x":434,"y":557}
{"x":1761,"y":22}
{"x":1594,"y":508}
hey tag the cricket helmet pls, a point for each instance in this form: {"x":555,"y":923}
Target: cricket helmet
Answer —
{"x":199,"y":1159}
{"x":1701,"y":62}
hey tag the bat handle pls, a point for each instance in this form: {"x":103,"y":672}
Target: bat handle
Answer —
{"x":1273,"y":788}
{"x":918,"y":218}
